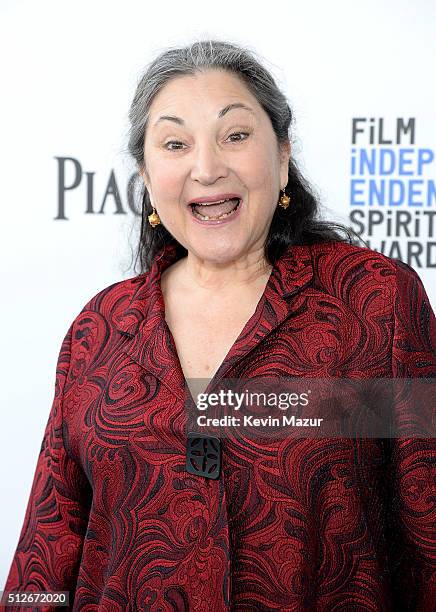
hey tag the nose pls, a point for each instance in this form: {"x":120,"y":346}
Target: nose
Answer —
{"x":208,"y":164}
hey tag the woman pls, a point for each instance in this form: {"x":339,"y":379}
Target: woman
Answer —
{"x":238,"y":279}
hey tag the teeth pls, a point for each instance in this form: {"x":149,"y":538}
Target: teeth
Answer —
{"x":223,"y":216}
{"x":210,"y":203}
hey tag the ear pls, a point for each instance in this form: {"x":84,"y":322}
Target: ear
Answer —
{"x":144,"y":177}
{"x":285,"y":154}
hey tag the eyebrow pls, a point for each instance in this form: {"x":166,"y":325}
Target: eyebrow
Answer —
{"x":221,"y":113}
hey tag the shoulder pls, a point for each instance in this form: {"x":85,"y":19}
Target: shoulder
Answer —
{"x":382,"y":292}
{"x":335,"y":262}
{"x":116,"y":297}
{"x":94,"y":329}
{"x":347,"y":254}
{"x":359,"y":275}
{"x":100,"y":318}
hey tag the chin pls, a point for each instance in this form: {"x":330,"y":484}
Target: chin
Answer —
{"x":220,"y":251}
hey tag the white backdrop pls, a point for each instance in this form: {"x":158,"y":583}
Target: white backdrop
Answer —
{"x":68,"y":75}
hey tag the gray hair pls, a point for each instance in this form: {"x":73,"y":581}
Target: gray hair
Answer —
{"x":202,"y":56}
{"x":299,"y":223}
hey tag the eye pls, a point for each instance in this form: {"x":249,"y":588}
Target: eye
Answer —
{"x":176,"y":142}
{"x":239,"y":134}
{"x":179,"y":148}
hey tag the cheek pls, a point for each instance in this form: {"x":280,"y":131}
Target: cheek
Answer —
{"x":258,"y":171}
{"x":166,"y":186}
{"x":168,"y":192}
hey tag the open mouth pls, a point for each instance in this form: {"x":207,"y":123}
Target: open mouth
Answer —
{"x":215,"y":210}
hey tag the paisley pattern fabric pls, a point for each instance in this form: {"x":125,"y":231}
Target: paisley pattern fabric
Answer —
{"x":296,"y":524}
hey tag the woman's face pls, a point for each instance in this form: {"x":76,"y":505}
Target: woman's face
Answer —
{"x":196,"y":147}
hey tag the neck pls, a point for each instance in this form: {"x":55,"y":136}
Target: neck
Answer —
{"x":203,"y":275}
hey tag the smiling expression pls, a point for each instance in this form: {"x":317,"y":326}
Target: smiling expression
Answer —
{"x":207,"y":136}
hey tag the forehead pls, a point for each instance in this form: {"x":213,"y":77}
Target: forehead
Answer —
{"x":207,"y":90}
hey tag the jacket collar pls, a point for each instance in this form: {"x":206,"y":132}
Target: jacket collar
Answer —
{"x":152,"y":344}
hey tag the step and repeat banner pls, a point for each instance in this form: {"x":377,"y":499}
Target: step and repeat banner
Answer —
{"x":358,"y":77}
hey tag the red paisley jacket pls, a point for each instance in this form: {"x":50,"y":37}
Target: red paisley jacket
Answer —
{"x":306,"y":524}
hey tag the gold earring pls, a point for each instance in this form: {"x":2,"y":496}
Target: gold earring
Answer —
{"x":154,"y":219}
{"x":284,"y":200}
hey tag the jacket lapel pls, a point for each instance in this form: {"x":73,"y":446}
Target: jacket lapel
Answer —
{"x":291,"y":273}
{"x":152,"y":344}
